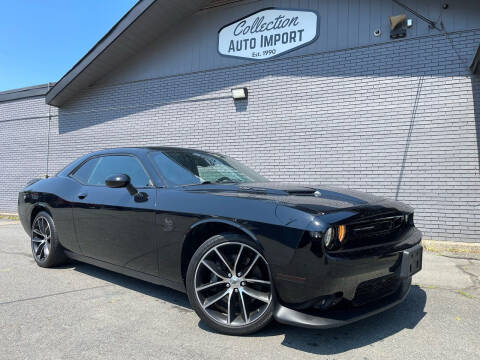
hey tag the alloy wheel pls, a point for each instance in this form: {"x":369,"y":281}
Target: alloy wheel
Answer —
{"x":232,"y":284}
{"x":41,"y":238}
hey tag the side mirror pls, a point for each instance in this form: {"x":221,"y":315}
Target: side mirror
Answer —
{"x":117,"y":181}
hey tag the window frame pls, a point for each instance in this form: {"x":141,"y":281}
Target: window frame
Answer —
{"x":72,"y":173}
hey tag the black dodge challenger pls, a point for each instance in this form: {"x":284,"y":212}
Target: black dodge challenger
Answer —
{"x":244,"y":249}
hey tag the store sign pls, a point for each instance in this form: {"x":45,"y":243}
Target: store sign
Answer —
{"x":268,"y":33}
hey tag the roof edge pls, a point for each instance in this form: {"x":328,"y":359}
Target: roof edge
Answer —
{"x":128,"y":19}
{"x":25,"y":92}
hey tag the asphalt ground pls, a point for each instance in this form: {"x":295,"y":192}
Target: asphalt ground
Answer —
{"x":79,"y":311}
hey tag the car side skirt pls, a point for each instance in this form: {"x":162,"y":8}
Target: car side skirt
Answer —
{"x":125,"y":271}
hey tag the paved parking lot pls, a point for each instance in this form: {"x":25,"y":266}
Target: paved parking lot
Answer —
{"x":83,"y":312}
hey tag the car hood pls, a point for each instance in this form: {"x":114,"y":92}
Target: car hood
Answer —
{"x":314,"y":199}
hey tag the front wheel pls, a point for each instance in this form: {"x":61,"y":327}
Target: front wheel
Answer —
{"x":229,"y":285}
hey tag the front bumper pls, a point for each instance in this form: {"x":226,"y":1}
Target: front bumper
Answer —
{"x":354,"y":309}
{"x":337,"y":318}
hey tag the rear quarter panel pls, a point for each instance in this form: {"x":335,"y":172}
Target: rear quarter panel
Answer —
{"x":55,"y":195}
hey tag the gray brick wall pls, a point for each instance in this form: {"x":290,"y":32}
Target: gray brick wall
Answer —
{"x":23,"y":146}
{"x":398,"y":119}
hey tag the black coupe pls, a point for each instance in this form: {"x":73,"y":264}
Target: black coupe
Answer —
{"x":244,"y":249}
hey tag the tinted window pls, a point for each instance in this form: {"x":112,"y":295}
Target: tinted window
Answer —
{"x":114,"y":165}
{"x":183,"y":167}
{"x":174,"y":172}
{"x":83,"y":173}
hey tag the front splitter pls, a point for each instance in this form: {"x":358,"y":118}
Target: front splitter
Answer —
{"x":334,"y":319}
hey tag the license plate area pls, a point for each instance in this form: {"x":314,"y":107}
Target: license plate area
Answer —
{"x":411,"y":261}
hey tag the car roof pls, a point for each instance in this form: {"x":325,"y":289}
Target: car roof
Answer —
{"x":140,"y":149}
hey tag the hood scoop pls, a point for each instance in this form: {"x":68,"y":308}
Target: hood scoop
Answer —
{"x":278,"y":189}
{"x":304,"y":192}
{"x":261,"y":190}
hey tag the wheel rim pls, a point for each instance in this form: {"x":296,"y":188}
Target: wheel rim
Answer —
{"x":41,"y":238}
{"x":232,"y":284}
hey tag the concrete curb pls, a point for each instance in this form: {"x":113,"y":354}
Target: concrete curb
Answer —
{"x":9,"y":216}
{"x":451,"y":246}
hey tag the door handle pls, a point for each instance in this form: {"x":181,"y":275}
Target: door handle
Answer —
{"x":82,"y":196}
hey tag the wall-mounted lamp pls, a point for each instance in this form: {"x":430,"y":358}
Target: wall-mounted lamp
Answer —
{"x":239,"y":93}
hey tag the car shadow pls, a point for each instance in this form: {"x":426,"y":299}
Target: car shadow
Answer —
{"x":159,"y":292}
{"x":362,"y":333}
{"x":315,"y":341}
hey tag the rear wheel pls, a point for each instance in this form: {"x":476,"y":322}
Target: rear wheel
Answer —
{"x":229,"y":285}
{"x":46,"y":249}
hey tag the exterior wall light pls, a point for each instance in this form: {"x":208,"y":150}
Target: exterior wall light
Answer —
{"x":239,"y":93}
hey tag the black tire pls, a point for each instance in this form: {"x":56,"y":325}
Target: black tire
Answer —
{"x":55,"y":255}
{"x":242,"y":297}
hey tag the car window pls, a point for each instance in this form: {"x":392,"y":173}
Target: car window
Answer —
{"x":114,"y":165}
{"x":216,"y":170}
{"x":173,"y":172}
{"x":83,"y":172}
{"x":183,"y":167}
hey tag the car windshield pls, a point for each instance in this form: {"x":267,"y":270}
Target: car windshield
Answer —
{"x":184,"y":167}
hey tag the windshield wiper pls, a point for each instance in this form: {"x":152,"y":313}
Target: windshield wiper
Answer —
{"x":215,"y":182}
{"x":200,"y":183}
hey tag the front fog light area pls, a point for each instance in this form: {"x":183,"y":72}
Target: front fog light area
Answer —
{"x":328,"y":301}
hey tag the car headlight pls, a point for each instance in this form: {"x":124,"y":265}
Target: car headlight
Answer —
{"x":332,"y":237}
{"x":408,"y":218}
{"x":328,"y":238}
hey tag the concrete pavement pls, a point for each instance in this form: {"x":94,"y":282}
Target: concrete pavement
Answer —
{"x":83,"y":312}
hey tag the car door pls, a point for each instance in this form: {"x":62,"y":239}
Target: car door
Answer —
{"x":111,"y":224}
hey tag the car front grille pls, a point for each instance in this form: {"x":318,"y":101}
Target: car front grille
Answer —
{"x":377,"y":227}
{"x":374,"y":232}
{"x":375,"y":289}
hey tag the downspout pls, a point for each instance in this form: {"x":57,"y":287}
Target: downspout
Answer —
{"x":48,"y":134}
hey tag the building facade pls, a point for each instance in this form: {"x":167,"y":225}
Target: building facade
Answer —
{"x":352,"y":108}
